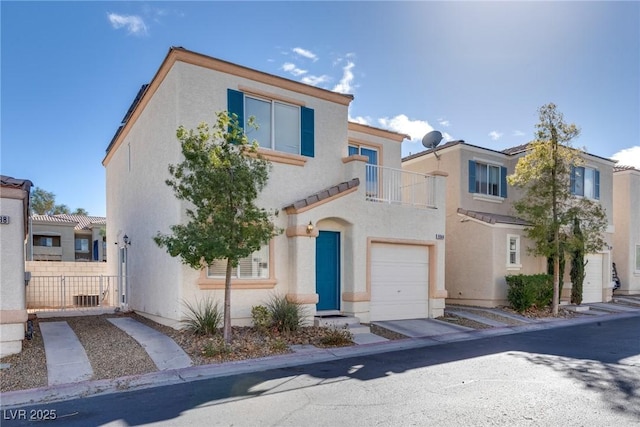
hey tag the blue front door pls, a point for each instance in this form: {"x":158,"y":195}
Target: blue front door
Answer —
{"x":328,"y":270}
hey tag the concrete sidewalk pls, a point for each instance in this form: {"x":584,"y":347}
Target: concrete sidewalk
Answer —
{"x":422,"y":333}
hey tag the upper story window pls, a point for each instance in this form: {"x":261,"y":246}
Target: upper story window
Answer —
{"x":282,"y":127}
{"x":371,"y":171}
{"x":82,"y":245}
{"x":487,"y":179}
{"x":46,"y":241}
{"x":585,"y":182}
{"x":255,"y":266}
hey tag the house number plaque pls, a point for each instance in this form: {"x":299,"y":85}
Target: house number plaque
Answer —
{"x":4,"y":219}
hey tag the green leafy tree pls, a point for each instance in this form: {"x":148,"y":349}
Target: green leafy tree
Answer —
{"x":577,"y":263}
{"x":544,"y":174}
{"x":42,"y":201}
{"x":221,"y":176}
{"x":80,"y":211}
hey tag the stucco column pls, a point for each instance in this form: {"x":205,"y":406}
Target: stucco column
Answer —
{"x":301,"y":235}
{"x":13,"y":307}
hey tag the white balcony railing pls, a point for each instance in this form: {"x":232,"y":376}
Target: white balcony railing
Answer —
{"x":396,"y":186}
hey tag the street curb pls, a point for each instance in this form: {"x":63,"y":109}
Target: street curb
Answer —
{"x":93,"y":388}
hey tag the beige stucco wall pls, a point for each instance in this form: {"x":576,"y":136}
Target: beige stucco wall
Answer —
{"x":13,"y":313}
{"x":66,"y":250}
{"x":135,"y":178}
{"x":626,"y":218}
{"x":476,"y":251}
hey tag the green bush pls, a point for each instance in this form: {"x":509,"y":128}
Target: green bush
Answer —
{"x":203,"y":318}
{"x":286,"y":316}
{"x":526,"y":291}
{"x":336,"y":337}
{"x":216,"y":348}
{"x":261,"y":317}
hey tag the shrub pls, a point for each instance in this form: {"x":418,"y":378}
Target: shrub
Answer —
{"x":526,"y":291}
{"x":335,"y":337}
{"x":215,"y":348}
{"x":261,"y":317}
{"x":203,"y":318}
{"x":279,"y":345}
{"x":286,"y":316}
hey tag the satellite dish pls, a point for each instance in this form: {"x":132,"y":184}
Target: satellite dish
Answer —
{"x":432,"y":139}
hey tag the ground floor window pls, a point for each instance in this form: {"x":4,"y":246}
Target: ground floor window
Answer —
{"x":513,"y":250}
{"x":255,"y":266}
{"x":82,"y":245}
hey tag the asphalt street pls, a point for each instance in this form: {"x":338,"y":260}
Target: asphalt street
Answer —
{"x":579,"y":375}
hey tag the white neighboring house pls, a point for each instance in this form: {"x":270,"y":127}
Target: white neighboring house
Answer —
{"x":626,"y":218}
{"x":14,"y":227}
{"x":361,"y":238}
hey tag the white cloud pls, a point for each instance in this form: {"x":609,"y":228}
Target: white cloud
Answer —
{"x":291,"y":68}
{"x":361,"y":120}
{"x":495,"y":135}
{"x":443,"y":122}
{"x":305,"y":53}
{"x":345,"y":84}
{"x":628,"y":157}
{"x":134,"y":24}
{"x":315,"y":80}
{"x":416,"y":129}
{"x":518,"y":133}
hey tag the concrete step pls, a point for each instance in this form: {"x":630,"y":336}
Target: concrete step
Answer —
{"x":335,"y":320}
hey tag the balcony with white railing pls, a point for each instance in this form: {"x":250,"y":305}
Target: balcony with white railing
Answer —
{"x":396,"y":186}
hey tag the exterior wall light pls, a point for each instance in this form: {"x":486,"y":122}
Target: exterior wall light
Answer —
{"x":309,"y":227}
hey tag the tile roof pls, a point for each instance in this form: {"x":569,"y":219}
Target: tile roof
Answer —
{"x":323,"y":194}
{"x":431,"y":150}
{"x":491,"y":218}
{"x":8,"y":181}
{"x":82,"y":222}
{"x":620,"y":168}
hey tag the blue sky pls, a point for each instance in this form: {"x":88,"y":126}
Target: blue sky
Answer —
{"x":476,"y":71}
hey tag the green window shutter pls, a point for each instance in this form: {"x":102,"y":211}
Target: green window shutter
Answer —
{"x":307,"y":138}
{"x":596,"y":184}
{"x":503,"y":182}
{"x":472,"y":176}
{"x":235,"y":105}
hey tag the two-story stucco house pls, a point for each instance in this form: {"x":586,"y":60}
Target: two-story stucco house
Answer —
{"x":360,"y":235}
{"x":626,"y":219}
{"x":66,"y":237}
{"x":485,"y":240}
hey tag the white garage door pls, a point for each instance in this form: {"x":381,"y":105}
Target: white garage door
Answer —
{"x":399,"y":281}
{"x":592,"y":286}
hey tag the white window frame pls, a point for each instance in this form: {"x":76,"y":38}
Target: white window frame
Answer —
{"x":273,"y":145}
{"x":516,"y":251}
{"x":259,"y":261}
{"x":637,"y":263}
{"x":488,"y":175}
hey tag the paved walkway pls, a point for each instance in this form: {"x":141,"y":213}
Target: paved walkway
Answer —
{"x":164,"y":352}
{"x":67,"y":362}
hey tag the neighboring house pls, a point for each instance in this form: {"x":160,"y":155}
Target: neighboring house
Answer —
{"x":485,"y":240}
{"x":67,"y":238}
{"x":626,"y":218}
{"x":14,"y":227}
{"x":359,"y":238}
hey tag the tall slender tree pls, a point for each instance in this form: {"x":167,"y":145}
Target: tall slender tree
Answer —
{"x":221,"y":176}
{"x":544,"y":174}
{"x":577,"y":263}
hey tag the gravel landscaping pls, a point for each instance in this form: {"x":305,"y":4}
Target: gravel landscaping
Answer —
{"x":113,"y":353}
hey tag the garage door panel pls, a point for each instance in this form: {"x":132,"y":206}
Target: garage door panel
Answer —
{"x":399,"y":281}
